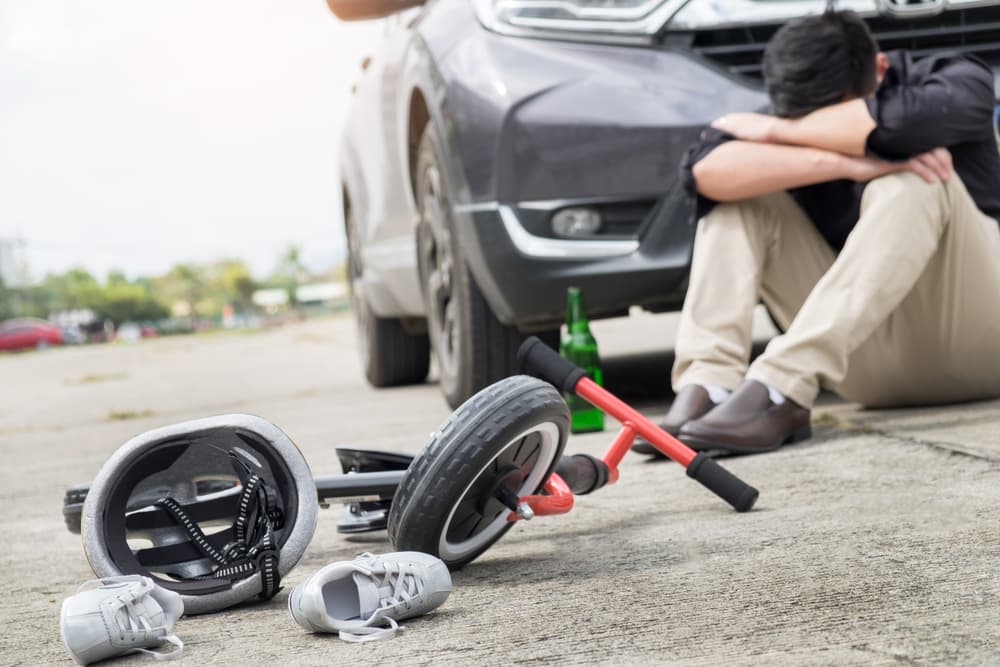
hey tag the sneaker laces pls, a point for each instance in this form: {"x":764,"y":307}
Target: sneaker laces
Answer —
{"x":133,"y":623}
{"x":400,"y":584}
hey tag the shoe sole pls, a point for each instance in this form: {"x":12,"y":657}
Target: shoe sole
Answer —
{"x":646,"y":448}
{"x":706,"y":445}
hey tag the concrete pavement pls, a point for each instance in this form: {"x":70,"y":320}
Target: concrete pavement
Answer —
{"x":874,"y":543}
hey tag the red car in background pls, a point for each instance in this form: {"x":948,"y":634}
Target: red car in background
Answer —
{"x":26,"y":334}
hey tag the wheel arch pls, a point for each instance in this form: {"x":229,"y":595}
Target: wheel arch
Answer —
{"x":418,"y":117}
{"x":345,"y":207}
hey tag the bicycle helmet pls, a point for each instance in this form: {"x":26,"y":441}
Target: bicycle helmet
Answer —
{"x":216,"y":509}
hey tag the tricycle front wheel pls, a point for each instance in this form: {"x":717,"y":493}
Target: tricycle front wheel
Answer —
{"x":502,"y":442}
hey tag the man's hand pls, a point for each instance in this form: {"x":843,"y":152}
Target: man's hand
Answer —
{"x":748,"y":126}
{"x":932,"y":166}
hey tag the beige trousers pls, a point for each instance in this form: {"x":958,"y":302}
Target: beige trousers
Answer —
{"x":907,"y":314}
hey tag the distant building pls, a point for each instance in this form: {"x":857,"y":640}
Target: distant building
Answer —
{"x":13,"y":265}
{"x":270,"y":299}
{"x":316,"y":295}
{"x":321,"y":293}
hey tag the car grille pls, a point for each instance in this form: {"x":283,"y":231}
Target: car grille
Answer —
{"x":973,"y":30}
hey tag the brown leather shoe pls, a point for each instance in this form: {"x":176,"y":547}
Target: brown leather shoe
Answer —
{"x":748,"y":422}
{"x":690,"y":403}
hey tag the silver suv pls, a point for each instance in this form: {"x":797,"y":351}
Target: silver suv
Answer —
{"x":499,"y":151}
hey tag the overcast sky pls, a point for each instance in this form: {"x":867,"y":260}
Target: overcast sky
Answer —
{"x":135,"y":134}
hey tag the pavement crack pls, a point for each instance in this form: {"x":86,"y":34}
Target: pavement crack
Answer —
{"x":946,"y":447}
{"x":835,"y":423}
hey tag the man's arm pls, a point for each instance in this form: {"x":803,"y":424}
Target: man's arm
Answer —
{"x":951,"y":104}
{"x":739,"y":170}
{"x":841,"y":128}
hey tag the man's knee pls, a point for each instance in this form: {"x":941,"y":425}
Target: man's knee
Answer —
{"x":905,"y":187}
{"x":910,"y":198}
{"x":760,"y":211}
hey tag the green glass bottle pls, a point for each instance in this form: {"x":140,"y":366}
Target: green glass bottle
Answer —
{"x":578,"y":345}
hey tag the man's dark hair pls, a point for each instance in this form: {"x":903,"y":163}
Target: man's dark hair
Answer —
{"x":816,"y":61}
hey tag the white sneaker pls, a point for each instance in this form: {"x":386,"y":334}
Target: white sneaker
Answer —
{"x":362,"y":599}
{"x":118,"y":615}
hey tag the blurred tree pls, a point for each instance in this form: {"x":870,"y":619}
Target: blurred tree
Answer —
{"x":339,"y":273}
{"x":290,"y":272}
{"x":145,"y":283}
{"x":6,"y":302}
{"x":202,"y":289}
{"x":125,"y":302}
{"x":76,"y":288}
{"x":185,"y":283}
{"x":82,"y":289}
{"x":116,"y":277}
{"x":234,"y":283}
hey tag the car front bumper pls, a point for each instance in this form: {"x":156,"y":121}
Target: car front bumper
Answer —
{"x":524,"y":276}
{"x":532,"y":124}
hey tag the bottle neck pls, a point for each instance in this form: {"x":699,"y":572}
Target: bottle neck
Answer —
{"x":576,"y":317}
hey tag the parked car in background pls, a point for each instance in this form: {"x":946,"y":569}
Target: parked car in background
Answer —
{"x":500,"y":151}
{"x":72,"y":335}
{"x":24,"y":334}
{"x":129,"y":332}
{"x":133,"y":332}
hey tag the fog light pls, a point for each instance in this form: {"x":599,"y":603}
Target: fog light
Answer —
{"x":576,"y":221}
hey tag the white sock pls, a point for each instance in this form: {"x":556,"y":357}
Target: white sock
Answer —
{"x":716,"y":393}
{"x":776,"y":396}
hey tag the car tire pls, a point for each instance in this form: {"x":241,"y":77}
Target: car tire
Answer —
{"x":473,"y":348}
{"x":390,"y":355}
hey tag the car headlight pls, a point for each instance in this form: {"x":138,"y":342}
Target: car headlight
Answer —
{"x":699,"y":14}
{"x":627,"y":20}
{"x":640,"y":20}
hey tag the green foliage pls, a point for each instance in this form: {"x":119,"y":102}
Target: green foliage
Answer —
{"x":117,"y":300}
{"x":233,"y":283}
{"x":189,"y":289}
{"x":290,"y":272}
{"x":186,"y":284}
{"x":6,"y":302}
{"x":74,"y":289}
{"x":123,"y":302}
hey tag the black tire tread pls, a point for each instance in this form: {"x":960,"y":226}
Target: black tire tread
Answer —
{"x":495,"y":355}
{"x":395,"y":357}
{"x":439,"y":475}
{"x":489,"y":347}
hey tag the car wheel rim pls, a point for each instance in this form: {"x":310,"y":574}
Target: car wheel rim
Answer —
{"x":439,"y":267}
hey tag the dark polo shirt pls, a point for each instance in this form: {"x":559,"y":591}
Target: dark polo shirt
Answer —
{"x":940,"y":100}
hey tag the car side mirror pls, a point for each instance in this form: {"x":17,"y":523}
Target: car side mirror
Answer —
{"x":359,"y":10}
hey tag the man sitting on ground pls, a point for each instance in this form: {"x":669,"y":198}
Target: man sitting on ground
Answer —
{"x":863,"y":213}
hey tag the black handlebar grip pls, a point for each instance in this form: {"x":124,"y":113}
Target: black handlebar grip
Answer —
{"x":722,"y":483}
{"x":543,"y":362}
